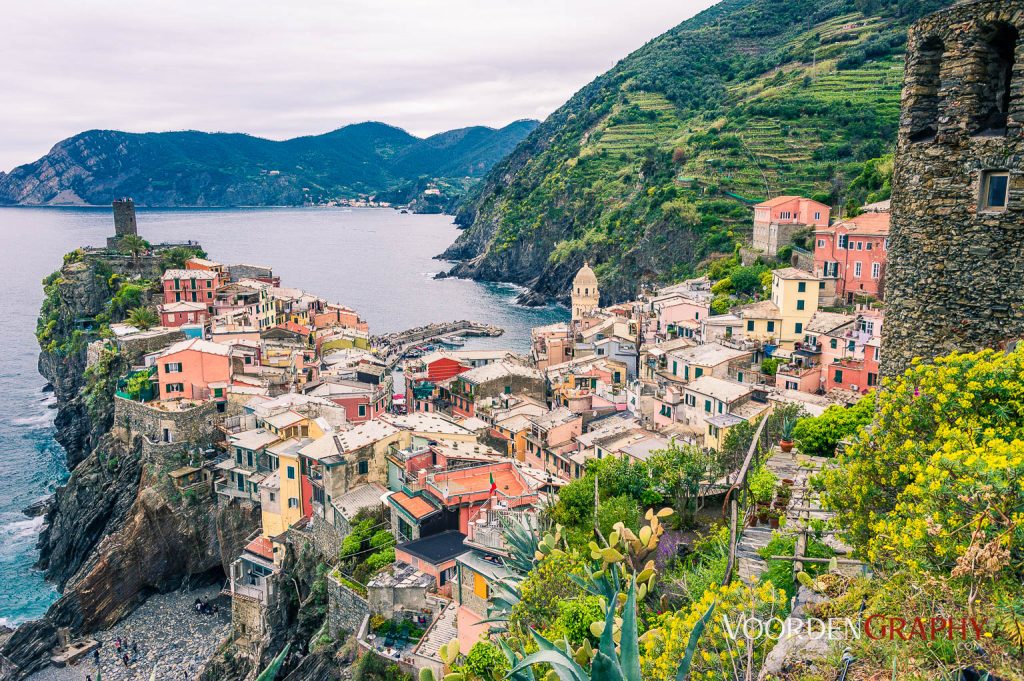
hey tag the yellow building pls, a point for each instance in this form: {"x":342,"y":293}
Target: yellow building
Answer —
{"x":796,"y":294}
{"x":282,"y":499}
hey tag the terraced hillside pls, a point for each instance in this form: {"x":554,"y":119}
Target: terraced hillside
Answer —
{"x":650,"y":169}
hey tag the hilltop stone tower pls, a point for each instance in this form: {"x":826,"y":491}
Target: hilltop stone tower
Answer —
{"x":124,"y":221}
{"x":956,"y":252}
{"x":585,"y":296}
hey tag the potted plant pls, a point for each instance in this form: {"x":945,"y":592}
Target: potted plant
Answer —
{"x":773,"y":519}
{"x":788,"y":426}
{"x":784,"y":494}
{"x":764,"y":516}
{"x":752,"y":518}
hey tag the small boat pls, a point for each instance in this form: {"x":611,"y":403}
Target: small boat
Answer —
{"x":453,"y":341}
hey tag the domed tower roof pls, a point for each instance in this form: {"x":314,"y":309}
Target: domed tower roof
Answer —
{"x":585,"y":277}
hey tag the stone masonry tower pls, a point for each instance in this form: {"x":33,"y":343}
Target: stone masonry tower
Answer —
{"x":585,"y":296}
{"x":956,"y":256}
{"x":124,"y":218}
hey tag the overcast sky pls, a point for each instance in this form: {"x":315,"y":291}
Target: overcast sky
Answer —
{"x":286,"y":68}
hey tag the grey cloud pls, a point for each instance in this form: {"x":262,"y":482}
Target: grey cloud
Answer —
{"x":286,"y":69}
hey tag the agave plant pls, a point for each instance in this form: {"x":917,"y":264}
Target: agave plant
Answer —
{"x":617,"y":657}
{"x":526,"y":547}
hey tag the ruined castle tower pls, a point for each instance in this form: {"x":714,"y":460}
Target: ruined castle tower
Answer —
{"x":124,"y":218}
{"x":955,"y":279}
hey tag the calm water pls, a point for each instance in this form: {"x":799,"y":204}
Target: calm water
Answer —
{"x":374,"y":260}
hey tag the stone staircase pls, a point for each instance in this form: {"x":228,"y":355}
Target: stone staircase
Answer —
{"x":804,"y":507}
{"x":441,"y":631}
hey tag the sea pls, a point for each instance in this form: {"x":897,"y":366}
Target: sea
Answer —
{"x":376,"y":260}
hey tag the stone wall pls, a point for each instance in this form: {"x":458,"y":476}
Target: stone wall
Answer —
{"x":326,"y":538}
{"x":345,"y":608}
{"x":190,"y":428}
{"x":955,"y":279}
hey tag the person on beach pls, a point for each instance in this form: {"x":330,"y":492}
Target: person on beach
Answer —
{"x":125,"y":658}
{"x":135,"y":649}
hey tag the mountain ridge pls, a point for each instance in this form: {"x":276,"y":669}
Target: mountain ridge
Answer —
{"x":191,"y":168}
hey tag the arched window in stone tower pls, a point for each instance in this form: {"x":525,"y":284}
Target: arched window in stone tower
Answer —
{"x":927,"y":80}
{"x":998,"y":49}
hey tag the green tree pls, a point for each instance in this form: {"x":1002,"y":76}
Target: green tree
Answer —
{"x":176,"y":257}
{"x":619,"y":509}
{"x":142,"y":317}
{"x":133,"y":245}
{"x":686,"y":472}
{"x":820,"y":435}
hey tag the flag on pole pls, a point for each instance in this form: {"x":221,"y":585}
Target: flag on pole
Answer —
{"x":494,"y":487}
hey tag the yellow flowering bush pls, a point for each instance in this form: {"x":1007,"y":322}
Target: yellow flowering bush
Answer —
{"x":722,"y":650}
{"x":937,"y":482}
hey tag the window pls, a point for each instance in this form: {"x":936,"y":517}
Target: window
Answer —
{"x":844,"y":239}
{"x":273,"y":496}
{"x":868,"y":247}
{"x":995,"y":187}
{"x":798,"y":328}
{"x":771,"y":327}
{"x":817,"y":215}
{"x":801,"y":287}
{"x":707,"y":406}
{"x":800,"y":304}
{"x":291,"y":472}
{"x":885,"y":244}
{"x":821,"y":286}
{"x":248,"y":458}
{"x":856,"y":269}
{"x":925,"y":74}
{"x":691,"y":401}
{"x":821,"y":243}
{"x":697,"y":372}
{"x":172,"y":368}
{"x":792,"y":385}
{"x":997,"y":57}
{"x":833,"y":343}
{"x":363,"y":467}
{"x":750,"y":325}
{"x":876,"y":270}
{"x":175,"y":387}
{"x":293,"y":502}
{"x":838,"y":377}
{"x":675,"y":368}
{"x":238,"y":455}
{"x":362,"y":410}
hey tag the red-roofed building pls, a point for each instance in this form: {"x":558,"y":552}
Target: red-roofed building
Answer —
{"x":776,"y":220}
{"x":851,"y":256}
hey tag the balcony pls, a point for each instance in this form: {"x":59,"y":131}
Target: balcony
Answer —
{"x":485,"y":530}
{"x":232,"y":492}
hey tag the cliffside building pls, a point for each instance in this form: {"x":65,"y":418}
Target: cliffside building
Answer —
{"x":956,"y":259}
{"x":777,"y":220}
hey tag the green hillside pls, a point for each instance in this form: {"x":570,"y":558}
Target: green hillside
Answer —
{"x":191,"y":168}
{"x":650,"y":169}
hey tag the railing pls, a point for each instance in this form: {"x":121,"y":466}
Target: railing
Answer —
{"x":732,"y":503}
{"x":229,"y":490}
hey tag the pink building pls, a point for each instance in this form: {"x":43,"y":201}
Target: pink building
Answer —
{"x":849,"y":356}
{"x":776,"y":220}
{"x":194,"y":369}
{"x":851,"y":255}
{"x":179,"y":314}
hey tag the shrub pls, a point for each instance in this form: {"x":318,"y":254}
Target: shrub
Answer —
{"x":820,"y":435}
{"x":485,"y":661}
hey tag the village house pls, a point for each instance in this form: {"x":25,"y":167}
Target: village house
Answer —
{"x":795,"y":294}
{"x":194,"y":369}
{"x":188,"y":296}
{"x":551,"y":441}
{"x":777,"y":220}
{"x":503,"y":377}
{"x":551,"y":344}
{"x":850,"y":256}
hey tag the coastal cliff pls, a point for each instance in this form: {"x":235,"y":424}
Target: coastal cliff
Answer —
{"x":118,"y":530}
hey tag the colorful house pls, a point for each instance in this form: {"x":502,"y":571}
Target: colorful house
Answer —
{"x":795,"y":293}
{"x":850,"y":256}
{"x":194,"y":369}
{"x":777,"y":220}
